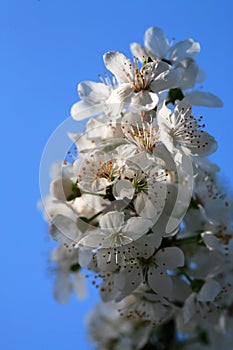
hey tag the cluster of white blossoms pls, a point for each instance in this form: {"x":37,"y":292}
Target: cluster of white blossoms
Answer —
{"x":136,"y":205}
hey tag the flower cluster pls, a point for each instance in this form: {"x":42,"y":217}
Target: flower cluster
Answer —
{"x":137,"y":204}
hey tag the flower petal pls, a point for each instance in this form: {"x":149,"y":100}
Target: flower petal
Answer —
{"x":119,"y":65}
{"x":138,"y":51}
{"x":205,"y":145}
{"x":64,"y":229}
{"x":136,"y":227}
{"x":183,"y":49}
{"x":189,"y":307}
{"x":201,"y":98}
{"x":62,"y":287}
{"x":93,"y":92}
{"x":190,"y":72}
{"x":210,"y":240}
{"x":83,"y":109}
{"x":159,"y":281}
{"x":119,"y":99}
{"x":112,"y":221}
{"x":61,"y":188}
{"x":170,"y":257}
{"x":79,"y":286}
{"x":167,"y":80}
{"x":123,"y":189}
{"x":145,"y":100}
{"x":95,"y":239}
{"x":156,"y":42}
{"x":209,"y":291}
{"x":108,"y":290}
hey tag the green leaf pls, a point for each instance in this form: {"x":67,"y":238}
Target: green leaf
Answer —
{"x":75,"y":192}
{"x":196,"y":285}
{"x":147,"y":60}
{"x":75,"y":267}
{"x":173,"y":95}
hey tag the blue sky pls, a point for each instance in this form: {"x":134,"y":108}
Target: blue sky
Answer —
{"x":47,"y":47}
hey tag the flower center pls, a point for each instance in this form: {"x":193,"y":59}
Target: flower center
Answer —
{"x":144,"y":136}
{"x":143,"y":77}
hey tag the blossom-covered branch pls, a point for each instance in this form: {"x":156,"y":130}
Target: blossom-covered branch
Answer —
{"x":139,"y":206}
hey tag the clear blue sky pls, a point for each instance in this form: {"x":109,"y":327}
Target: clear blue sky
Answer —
{"x":47,"y":47}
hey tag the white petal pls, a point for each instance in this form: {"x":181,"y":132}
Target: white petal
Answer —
{"x":120,"y":66}
{"x":136,"y":227}
{"x":170,"y":257}
{"x":123,"y":189}
{"x":106,"y":260}
{"x":201,"y":98}
{"x":129,"y":278}
{"x":201,"y":76}
{"x":209,"y":291}
{"x":139,"y":161}
{"x":145,"y":100}
{"x":159,"y":281}
{"x":84,"y":257}
{"x":162,"y":67}
{"x":146,"y":207}
{"x":189,"y":307}
{"x":126,"y":151}
{"x":156,"y":42}
{"x":99,"y":185}
{"x":79,"y":286}
{"x":189,"y":74}
{"x":210,"y":240}
{"x":138,"y":51}
{"x":183,"y":49}
{"x":61,"y":188}
{"x":62,"y":287}
{"x":167,"y":80}
{"x":206,"y":146}
{"x":82,"y":110}
{"x":119,"y":99}
{"x":112,"y":221}
{"x":163,"y":115}
{"x":94,"y":239}
{"x":108,"y":289}
{"x":93,"y":92}
{"x":147,"y":244}
{"x":64,"y":229}
{"x":81,"y":141}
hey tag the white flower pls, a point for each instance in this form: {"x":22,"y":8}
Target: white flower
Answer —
{"x":200,"y":303}
{"x":97,"y":170}
{"x":216,"y":205}
{"x":93,"y":99}
{"x":180,"y":130}
{"x":152,"y":270}
{"x":157,"y":45}
{"x":146,"y":306}
{"x":150,"y":188}
{"x":138,"y":86}
{"x":107,"y":327}
{"x":67,"y":230}
{"x":100,"y":131}
{"x":114,"y":232}
{"x":69,"y":277}
{"x":218,"y":237}
{"x":114,"y":259}
{"x":143,"y":134}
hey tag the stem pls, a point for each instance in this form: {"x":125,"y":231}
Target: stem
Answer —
{"x":188,"y":240}
{"x":94,"y":216}
{"x":94,"y":194}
